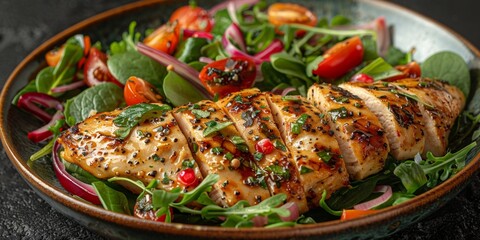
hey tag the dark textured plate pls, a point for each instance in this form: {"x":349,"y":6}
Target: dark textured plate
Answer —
{"x":410,"y":30}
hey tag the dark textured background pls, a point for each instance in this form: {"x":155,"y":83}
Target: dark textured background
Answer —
{"x":25,"y":24}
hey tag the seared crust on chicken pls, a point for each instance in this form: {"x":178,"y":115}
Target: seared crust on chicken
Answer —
{"x":155,"y":149}
{"x":358,"y":131}
{"x":440,"y":105}
{"x":307,"y":135}
{"x":253,"y":118}
{"x":400,"y":117}
{"x":216,"y":153}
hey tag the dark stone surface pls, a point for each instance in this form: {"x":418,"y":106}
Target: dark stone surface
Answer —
{"x":25,"y":24}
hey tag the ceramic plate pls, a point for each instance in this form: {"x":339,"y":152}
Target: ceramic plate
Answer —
{"x":410,"y":30}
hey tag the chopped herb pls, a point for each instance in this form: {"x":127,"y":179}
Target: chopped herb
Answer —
{"x":296,"y":127}
{"x":279,"y":145}
{"x":258,"y":156}
{"x":200,"y":113}
{"x":263,"y":106}
{"x":194,"y":106}
{"x":216,"y":97}
{"x":321,"y":115}
{"x":195,"y":147}
{"x":224,"y":184}
{"x":357,"y":105}
{"x":326,"y":156}
{"x":229,"y":156}
{"x":280,"y":173}
{"x":214,"y":126}
{"x":165,"y":179}
{"x":304,"y":170}
{"x":338,"y":113}
{"x":237,"y":140}
{"x":248,"y":116}
{"x":292,"y":98}
{"x":217,"y":150}
{"x":238,"y":99}
{"x":188,"y":163}
{"x":265,"y":118}
{"x":140,"y":134}
{"x":341,"y":99}
{"x":155,"y":157}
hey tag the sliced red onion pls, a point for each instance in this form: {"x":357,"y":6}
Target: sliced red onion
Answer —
{"x":232,"y":11}
{"x":205,"y":60}
{"x":275,"y":47}
{"x":233,"y":39}
{"x":182,"y":69}
{"x":288,"y":90}
{"x":197,"y":34}
{"x":294,"y":211}
{"x":70,"y":183}
{"x":387,"y":193}
{"x":259,"y":221}
{"x":44,"y":133}
{"x":68,"y":87}
{"x":224,"y":5}
{"x":29,"y":101}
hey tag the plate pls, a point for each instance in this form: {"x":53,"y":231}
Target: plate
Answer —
{"x":410,"y":30}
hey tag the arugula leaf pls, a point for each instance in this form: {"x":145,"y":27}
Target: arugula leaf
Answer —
{"x":203,"y":187}
{"x":129,"y":39}
{"x":412,"y":175}
{"x":190,"y":49}
{"x":379,"y":69}
{"x":100,"y":98}
{"x":450,"y":67}
{"x":132,"y":115}
{"x":214,"y":50}
{"x":111,"y":199}
{"x":286,"y":64}
{"x":214,"y":126}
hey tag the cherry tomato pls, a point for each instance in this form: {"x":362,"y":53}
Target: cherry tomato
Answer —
{"x":410,"y":70}
{"x":353,"y":213}
{"x":362,"y":77}
{"x":164,"y":38}
{"x":228,"y":75}
{"x":187,"y":177}
{"x":140,"y":91}
{"x":53,"y":57}
{"x":340,"y":59}
{"x":192,"y":18}
{"x":264,"y":146}
{"x":143,"y":209}
{"x":96,"y":71}
{"x":285,"y":13}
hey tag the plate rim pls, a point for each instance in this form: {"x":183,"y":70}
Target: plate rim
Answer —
{"x":323,"y":228}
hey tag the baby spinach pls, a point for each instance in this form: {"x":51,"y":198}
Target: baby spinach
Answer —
{"x":379,"y":69}
{"x":100,"y":98}
{"x":131,"y":63}
{"x":111,"y":199}
{"x":286,"y":64}
{"x":132,"y":115}
{"x":190,"y":49}
{"x":222,"y":21}
{"x":179,"y":91}
{"x":450,"y":67}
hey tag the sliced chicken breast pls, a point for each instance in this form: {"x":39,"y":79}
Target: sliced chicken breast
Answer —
{"x":440,"y":104}
{"x":253,"y":118}
{"x":400,"y":116}
{"x":217,"y":147}
{"x":307,"y":135}
{"x":155,"y":149}
{"x":361,"y":137}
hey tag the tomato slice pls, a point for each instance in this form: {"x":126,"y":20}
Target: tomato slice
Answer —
{"x":340,"y":59}
{"x":410,"y":70}
{"x":286,"y":13}
{"x":353,"y":213}
{"x":96,"y":71}
{"x":164,"y":38}
{"x":228,"y":75}
{"x":53,"y":56}
{"x":143,"y":209}
{"x":138,"y":91}
{"x":192,"y":18}
{"x":362,"y":77}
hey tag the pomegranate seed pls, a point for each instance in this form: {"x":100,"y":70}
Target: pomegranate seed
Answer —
{"x":187,"y":177}
{"x":361,"y":77}
{"x":264,"y":146}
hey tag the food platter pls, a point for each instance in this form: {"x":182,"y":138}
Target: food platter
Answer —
{"x":40,"y":176}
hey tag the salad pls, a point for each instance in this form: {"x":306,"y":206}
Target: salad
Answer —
{"x":199,"y":54}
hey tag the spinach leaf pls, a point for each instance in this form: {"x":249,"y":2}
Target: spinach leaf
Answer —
{"x":31,"y":87}
{"x":213,"y":50}
{"x":411,"y":174}
{"x":286,"y":64}
{"x":111,"y":199}
{"x":179,"y":91}
{"x":190,"y":50}
{"x":222,"y":21}
{"x":396,"y":56}
{"x":271,"y":78}
{"x":79,"y":173}
{"x":450,"y":67}
{"x":132,"y":115}
{"x":100,"y":98}
{"x":379,"y":69}
{"x":369,"y":49}
{"x":131,"y":63}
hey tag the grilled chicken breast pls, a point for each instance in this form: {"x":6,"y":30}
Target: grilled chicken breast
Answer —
{"x":155,"y":149}
{"x":400,"y":116}
{"x":253,"y":118}
{"x":360,"y":135}
{"x":440,"y":105}
{"x":307,"y":135}
{"x":218,"y":150}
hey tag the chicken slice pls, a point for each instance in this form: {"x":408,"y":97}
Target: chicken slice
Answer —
{"x":440,"y":104}
{"x":155,"y":149}
{"x":400,"y":116}
{"x":307,"y":135}
{"x":253,"y":118}
{"x":361,"y":138}
{"x":219,"y":152}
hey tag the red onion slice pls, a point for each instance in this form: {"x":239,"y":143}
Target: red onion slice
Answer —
{"x":275,"y":47}
{"x":288,"y":90}
{"x":233,"y":33}
{"x":387,"y":193}
{"x":205,"y":60}
{"x":71,"y":184}
{"x":294,"y":211}
{"x":68,"y":87}
{"x":187,"y":33}
{"x":224,"y":5}
{"x":29,"y":101}
{"x":44,"y":133}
